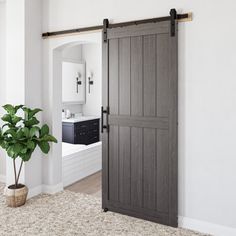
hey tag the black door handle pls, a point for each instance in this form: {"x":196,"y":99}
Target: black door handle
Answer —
{"x":102,"y":119}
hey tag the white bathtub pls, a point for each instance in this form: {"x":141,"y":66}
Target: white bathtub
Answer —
{"x":80,"y":161}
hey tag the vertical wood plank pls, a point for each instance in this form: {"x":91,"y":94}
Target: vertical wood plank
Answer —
{"x":136,"y":166}
{"x":124,"y":165}
{"x":162,"y":71}
{"x":149,"y":165}
{"x":124,"y":76}
{"x":113,"y":76}
{"x":136,"y":76}
{"x":162,"y":171}
{"x":114,"y":163}
{"x":149,"y":74}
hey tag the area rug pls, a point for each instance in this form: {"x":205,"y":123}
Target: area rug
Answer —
{"x":68,"y":213}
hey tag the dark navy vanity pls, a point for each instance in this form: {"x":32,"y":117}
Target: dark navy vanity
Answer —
{"x":83,"y":130}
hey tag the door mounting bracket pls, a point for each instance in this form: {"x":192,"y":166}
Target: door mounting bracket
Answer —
{"x":173,"y":17}
{"x":105,"y":26}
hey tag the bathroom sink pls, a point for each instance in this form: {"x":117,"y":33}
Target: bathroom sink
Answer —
{"x":80,"y":119}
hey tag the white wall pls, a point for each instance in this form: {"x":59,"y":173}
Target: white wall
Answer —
{"x":24,"y":73}
{"x":207,"y":97}
{"x":91,"y":54}
{"x":15,"y":58}
{"x":73,"y":53}
{"x":33,"y":80}
{"x":2,"y":79}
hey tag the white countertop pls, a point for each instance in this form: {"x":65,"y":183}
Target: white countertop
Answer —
{"x":80,"y":119}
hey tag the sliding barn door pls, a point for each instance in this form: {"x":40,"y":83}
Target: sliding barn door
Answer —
{"x":140,"y":103}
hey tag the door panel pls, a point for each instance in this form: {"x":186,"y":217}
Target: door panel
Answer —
{"x":140,"y":149}
{"x":124,"y":76}
{"x":124,"y":165}
{"x":136,"y":167}
{"x":114,"y":163}
{"x":136,"y":76}
{"x":149,"y":166}
{"x":162,"y":170}
{"x":162,"y":74}
{"x":114,"y":76}
{"x":149,"y":75}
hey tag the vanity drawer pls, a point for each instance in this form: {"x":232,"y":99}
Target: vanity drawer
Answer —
{"x":93,"y":139}
{"x":82,"y":126}
{"x":94,"y":124}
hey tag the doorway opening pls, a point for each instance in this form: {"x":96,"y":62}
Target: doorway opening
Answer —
{"x":77,"y":68}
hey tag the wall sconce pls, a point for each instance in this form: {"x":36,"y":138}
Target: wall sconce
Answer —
{"x":78,"y":82}
{"x":90,"y":81}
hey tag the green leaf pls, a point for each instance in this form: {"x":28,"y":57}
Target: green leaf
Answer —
{"x":26,"y":156}
{"x":12,"y":132}
{"x":18,"y":107}
{"x":4,"y":145}
{"x":29,"y":114}
{"x":10,"y":152}
{"x":20,"y":134}
{"x":49,"y":138}
{"x":16,"y":119}
{"x":44,"y":146}
{"x":31,"y":122}
{"x":17,"y":148}
{"x":31,"y":145}
{"x":23,"y":151}
{"x":26,"y":132}
{"x":33,"y":112}
{"x":9,"y":109}
{"x":26,"y":111}
{"x":44,"y":130}
{"x":7,"y":118}
{"x":33,"y":131}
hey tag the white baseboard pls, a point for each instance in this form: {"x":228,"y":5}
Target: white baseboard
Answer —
{"x":34,"y":191}
{"x":52,"y":189}
{"x":2,"y":178}
{"x":48,"y":189}
{"x":206,"y":227}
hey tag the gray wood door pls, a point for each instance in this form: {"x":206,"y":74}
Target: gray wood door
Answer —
{"x":140,"y":148}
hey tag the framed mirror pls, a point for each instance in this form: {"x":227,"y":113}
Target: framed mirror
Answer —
{"x":73,"y":83}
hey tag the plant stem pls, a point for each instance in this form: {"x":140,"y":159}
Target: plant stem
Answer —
{"x":14,"y":164}
{"x":18,"y":176}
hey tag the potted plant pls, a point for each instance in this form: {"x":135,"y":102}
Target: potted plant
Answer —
{"x":19,"y":136}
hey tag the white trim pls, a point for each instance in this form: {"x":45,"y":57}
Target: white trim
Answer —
{"x":48,"y":189}
{"x":34,"y":191}
{"x":2,"y":178}
{"x":206,"y":227}
{"x":52,"y":189}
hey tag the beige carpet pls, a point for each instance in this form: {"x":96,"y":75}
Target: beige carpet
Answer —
{"x":69,"y":213}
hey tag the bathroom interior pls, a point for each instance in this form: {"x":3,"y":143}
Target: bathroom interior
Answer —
{"x":81,"y":106}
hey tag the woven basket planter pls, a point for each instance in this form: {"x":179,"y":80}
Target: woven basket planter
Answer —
{"x":16,"y":197}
